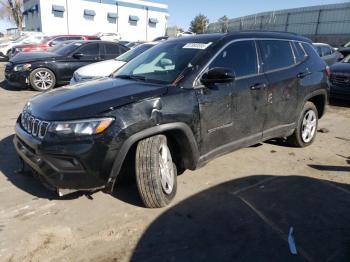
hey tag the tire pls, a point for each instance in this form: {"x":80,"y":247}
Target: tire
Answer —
{"x":156,"y":185}
{"x":306,"y":130}
{"x":42,"y":79}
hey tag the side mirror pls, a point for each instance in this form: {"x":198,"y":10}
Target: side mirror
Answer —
{"x":218,"y":75}
{"x":78,"y":55}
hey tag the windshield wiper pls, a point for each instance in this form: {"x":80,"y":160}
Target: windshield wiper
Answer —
{"x":132,"y":77}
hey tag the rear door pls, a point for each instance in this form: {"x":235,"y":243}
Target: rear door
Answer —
{"x":282,"y":72}
{"x":112,"y":50}
{"x":89,"y":53}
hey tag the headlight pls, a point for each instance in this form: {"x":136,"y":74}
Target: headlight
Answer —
{"x":81,"y":127}
{"x":23,"y":67}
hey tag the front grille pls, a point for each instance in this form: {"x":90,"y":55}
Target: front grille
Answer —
{"x":34,"y":126}
{"x":341,"y":80}
{"x":9,"y":67}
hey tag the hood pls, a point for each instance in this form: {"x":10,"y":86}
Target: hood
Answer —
{"x":4,"y":44}
{"x":32,"y":57}
{"x":100,"y":69}
{"x":90,"y":99}
{"x":341,"y":68}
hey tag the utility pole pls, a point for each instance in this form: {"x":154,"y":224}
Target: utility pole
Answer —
{"x":67,"y":17}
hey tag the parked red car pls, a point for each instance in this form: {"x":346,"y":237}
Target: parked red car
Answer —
{"x":49,"y":42}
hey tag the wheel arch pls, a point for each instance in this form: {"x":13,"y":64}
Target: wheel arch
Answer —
{"x":320,"y":99}
{"x":181,"y":141}
{"x":48,"y":66}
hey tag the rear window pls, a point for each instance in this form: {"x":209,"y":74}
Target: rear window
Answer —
{"x":276,"y":54}
{"x":326,"y":50}
{"x":112,"y":49}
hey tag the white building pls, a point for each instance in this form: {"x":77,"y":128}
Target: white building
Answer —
{"x":135,"y":20}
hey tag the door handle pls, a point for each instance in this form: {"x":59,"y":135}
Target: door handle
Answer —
{"x":258,"y":86}
{"x":303,"y":74}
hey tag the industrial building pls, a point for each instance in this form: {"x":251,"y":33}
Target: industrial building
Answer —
{"x":135,"y":20}
{"x":322,"y":23}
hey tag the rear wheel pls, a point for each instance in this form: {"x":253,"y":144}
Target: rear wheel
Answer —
{"x":155,"y":172}
{"x":42,"y":79}
{"x":306,"y":130}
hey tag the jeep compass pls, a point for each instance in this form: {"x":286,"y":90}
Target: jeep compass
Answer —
{"x":174,"y":107}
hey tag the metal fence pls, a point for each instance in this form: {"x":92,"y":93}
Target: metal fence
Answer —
{"x":326,"y":23}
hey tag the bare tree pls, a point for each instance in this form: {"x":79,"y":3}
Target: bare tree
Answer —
{"x":12,"y":10}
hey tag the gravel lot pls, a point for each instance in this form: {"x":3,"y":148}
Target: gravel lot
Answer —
{"x":239,"y":207}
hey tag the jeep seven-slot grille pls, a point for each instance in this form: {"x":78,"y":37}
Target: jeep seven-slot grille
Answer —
{"x":341,"y":80}
{"x":34,"y":126}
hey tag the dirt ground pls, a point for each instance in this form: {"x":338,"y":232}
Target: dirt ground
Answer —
{"x":239,"y":207}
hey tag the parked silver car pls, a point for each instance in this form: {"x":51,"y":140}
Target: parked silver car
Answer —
{"x":328,"y":53}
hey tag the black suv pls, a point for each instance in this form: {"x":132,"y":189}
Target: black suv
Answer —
{"x":175,"y":107}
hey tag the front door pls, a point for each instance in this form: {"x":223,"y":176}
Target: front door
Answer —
{"x":232,"y":115}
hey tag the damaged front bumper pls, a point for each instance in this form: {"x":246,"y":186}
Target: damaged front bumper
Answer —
{"x":65,"y":168}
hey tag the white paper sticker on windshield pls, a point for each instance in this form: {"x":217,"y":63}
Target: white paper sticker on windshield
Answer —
{"x":201,"y":46}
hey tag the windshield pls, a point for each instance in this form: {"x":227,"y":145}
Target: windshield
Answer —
{"x":65,"y":49}
{"x":131,"y":54}
{"x":45,"y":39}
{"x":163,"y":63}
{"x":346,"y":59}
{"x":34,"y":40}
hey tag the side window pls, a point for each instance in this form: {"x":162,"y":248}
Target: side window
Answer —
{"x":299,"y":52}
{"x":112,"y":49}
{"x":240,"y":56}
{"x":276,"y":54}
{"x":326,"y":50}
{"x":90,"y":50}
{"x":74,"y":38}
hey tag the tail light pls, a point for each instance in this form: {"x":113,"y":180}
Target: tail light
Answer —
{"x":328,"y":71}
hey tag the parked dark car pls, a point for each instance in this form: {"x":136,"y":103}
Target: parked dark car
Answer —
{"x":328,"y":53}
{"x":44,"y":70}
{"x":345,"y":49}
{"x":175,"y":107}
{"x":340,"y":79}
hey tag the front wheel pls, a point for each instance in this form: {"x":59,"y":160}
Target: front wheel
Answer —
{"x":306,"y":130}
{"x":156,"y":174}
{"x":42,"y":79}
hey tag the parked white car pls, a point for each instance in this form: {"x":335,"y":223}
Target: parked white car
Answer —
{"x":187,"y":33}
{"x":5,"y":48}
{"x":109,"y":36}
{"x":106,"y":68}
{"x":329,"y":54}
